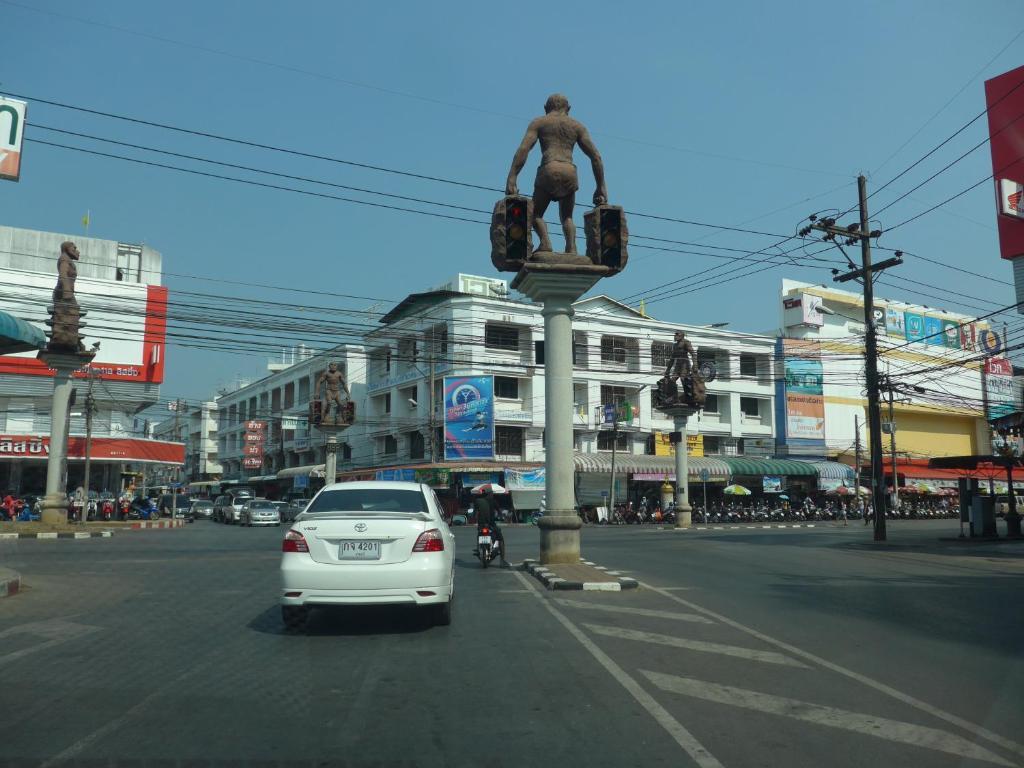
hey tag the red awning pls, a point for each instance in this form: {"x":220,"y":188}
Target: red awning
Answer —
{"x":918,"y":469}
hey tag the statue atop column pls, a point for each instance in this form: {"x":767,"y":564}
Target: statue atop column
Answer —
{"x":557,"y":181}
{"x":682,"y":386}
{"x":332,"y":381}
{"x":65,"y":315}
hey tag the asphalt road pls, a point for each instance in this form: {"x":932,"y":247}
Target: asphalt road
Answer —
{"x":743,"y":647}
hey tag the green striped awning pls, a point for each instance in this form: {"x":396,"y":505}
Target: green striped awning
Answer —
{"x":769,"y":467}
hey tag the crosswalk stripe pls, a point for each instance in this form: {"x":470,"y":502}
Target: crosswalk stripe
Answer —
{"x":694,"y":617}
{"x":768,"y":657}
{"x":831,"y":717}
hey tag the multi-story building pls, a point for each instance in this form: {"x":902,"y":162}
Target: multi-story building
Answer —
{"x":945,"y":370}
{"x":278,"y":406}
{"x":196,"y":428}
{"x":126,"y":307}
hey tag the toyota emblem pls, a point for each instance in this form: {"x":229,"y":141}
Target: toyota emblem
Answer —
{"x":360,"y":527}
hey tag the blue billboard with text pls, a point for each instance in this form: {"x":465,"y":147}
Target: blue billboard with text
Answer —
{"x":468,"y":417}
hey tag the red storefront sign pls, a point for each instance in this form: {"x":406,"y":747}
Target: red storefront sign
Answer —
{"x":250,"y":462}
{"x":1004,"y":97}
{"x":103,"y":448}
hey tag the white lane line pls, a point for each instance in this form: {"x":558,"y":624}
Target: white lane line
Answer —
{"x":767,"y":657}
{"x":686,"y":740}
{"x":888,"y":690}
{"x":53,"y":632}
{"x":694,"y":617}
{"x":831,"y":717}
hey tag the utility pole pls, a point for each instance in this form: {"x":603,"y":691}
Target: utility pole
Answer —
{"x":175,"y":473}
{"x":856,"y":453}
{"x":892,"y":446}
{"x":615,"y":445}
{"x":90,"y":409}
{"x":430,"y":408}
{"x":853,"y":233}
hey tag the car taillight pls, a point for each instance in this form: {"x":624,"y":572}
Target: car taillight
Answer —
{"x":429,"y":541}
{"x":294,"y":542}
{"x":485,"y":531}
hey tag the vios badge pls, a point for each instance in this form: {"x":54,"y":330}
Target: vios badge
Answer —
{"x":360,"y":527}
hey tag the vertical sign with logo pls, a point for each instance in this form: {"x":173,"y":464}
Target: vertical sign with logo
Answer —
{"x":254,"y":440}
{"x":12,"y":132}
{"x":914,"y":325}
{"x":805,"y":401}
{"x":468,"y":417}
{"x":999,"y":387}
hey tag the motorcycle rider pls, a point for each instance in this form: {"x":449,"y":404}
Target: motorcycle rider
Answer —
{"x":483,"y":506}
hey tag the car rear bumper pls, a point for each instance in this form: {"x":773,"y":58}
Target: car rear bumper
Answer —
{"x":264,"y":521}
{"x":321,"y":584}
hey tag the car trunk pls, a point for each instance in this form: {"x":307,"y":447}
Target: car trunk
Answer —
{"x":396,"y":532}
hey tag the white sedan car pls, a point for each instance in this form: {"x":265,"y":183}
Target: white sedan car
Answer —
{"x":368,"y":543}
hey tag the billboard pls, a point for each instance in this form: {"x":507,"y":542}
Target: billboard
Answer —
{"x":128,"y":319}
{"x":468,"y":417}
{"x":663,"y":445}
{"x":253,"y":440}
{"x":999,"y":399}
{"x":101,"y":449}
{"x":12,"y":131}
{"x":933,"y":331}
{"x":914,"y":324}
{"x":951,"y":334}
{"x":804,"y":386}
{"x":1004,"y":99}
{"x":894,"y":323}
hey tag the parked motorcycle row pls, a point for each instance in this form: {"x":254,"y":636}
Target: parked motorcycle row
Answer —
{"x":762,"y":513}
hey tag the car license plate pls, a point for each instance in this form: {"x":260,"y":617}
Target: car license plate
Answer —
{"x":484,"y":540}
{"x":359,"y":550}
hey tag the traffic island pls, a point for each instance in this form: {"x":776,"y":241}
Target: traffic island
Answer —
{"x":583,"y":575}
{"x":10,"y":582}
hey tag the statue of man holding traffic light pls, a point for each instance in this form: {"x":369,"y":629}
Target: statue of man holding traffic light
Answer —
{"x":556,"y":178}
{"x":332,"y":381}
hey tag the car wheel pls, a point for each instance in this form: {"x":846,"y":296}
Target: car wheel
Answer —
{"x":443,"y":613}
{"x":294,"y":617}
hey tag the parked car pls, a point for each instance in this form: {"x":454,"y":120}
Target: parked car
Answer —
{"x":259,"y":512}
{"x":201,"y":509}
{"x":368,"y":543}
{"x":293,"y":509}
{"x":167,"y":502}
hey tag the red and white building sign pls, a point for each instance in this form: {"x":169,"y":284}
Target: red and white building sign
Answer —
{"x":254,"y":438}
{"x":103,"y":449}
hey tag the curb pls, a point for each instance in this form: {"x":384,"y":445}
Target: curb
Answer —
{"x":156,"y":524}
{"x":10,"y":582}
{"x":551,"y":581}
{"x":58,"y":535}
{"x":748,"y":526}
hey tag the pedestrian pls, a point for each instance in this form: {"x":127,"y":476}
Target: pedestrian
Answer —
{"x":8,"y":506}
{"x":843,"y":511}
{"x":860,"y":509}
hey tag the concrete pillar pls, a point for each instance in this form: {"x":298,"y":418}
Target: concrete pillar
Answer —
{"x":55,"y":504}
{"x":560,"y":526}
{"x":331,"y":458}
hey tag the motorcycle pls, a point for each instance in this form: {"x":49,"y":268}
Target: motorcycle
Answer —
{"x":487,"y":547}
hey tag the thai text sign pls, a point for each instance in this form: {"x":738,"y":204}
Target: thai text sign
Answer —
{"x":468,"y":417}
{"x":805,"y":403}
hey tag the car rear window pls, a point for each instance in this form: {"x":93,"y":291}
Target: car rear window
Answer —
{"x":261,"y":505}
{"x":369,"y":500}
{"x":202,"y":503}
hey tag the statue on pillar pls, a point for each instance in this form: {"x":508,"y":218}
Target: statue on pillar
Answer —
{"x":65,"y":314}
{"x":556,"y":177}
{"x":332,"y":382}
{"x":682,"y":386}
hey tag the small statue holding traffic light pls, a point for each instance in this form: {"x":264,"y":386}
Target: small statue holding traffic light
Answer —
{"x":332,"y":381}
{"x":556,"y":181}
{"x":682,"y":385}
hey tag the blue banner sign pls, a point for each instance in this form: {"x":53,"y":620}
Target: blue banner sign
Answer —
{"x":468,"y":417}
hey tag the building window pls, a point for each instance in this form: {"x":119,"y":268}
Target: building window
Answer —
{"x":613,"y":395}
{"x":711,"y":403}
{"x":707,"y":356}
{"x":303,"y":390}
{"x":501,"y":337}
{"x":509,"y":441}
{"x":416,"y":445}
{"x":382,"y":403}
{"x":346,"y":452}
{"x":712,"y":445}
{"x":748,"y":365}
{"x":661,"y":353}
{"x":390,"y":445}
{"x":613,"y":349}
{"x":606,"y":440}
{"x":437,"y":341}
{"x":507,"y":387}
{"x":409,"y":395}
{"x":650,"y":445}
{"x":750,"y":407}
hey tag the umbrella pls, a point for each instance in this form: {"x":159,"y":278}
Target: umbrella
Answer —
{"x":736,"y":490}
{"x":492,"y":487}
{"x":784,"y":496}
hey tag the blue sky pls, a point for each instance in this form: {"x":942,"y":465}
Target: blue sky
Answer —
{"x":744,"y":114}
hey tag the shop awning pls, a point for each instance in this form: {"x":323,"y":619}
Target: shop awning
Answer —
{"x":17,"y":335}
{"x":649,"y":467}
{"x":308,"y":470}
{"x":832,"y":470}
{"x":770,"y":467}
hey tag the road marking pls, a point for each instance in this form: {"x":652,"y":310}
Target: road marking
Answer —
{"x":906,"y":698}
{"x":686,"y":740}
{"x":831,"y":717}
{"x":768,"y":657}
{"x":54,"y":632}
{"x":694,"y":617}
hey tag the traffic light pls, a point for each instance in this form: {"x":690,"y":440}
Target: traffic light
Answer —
{"x":607,"y":237}
{"x":517,"y":229}
{"x":611,"y":237}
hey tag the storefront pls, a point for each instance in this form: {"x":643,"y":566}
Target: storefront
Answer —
{"x":770,"y":478}
{"x":637,"y":476}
